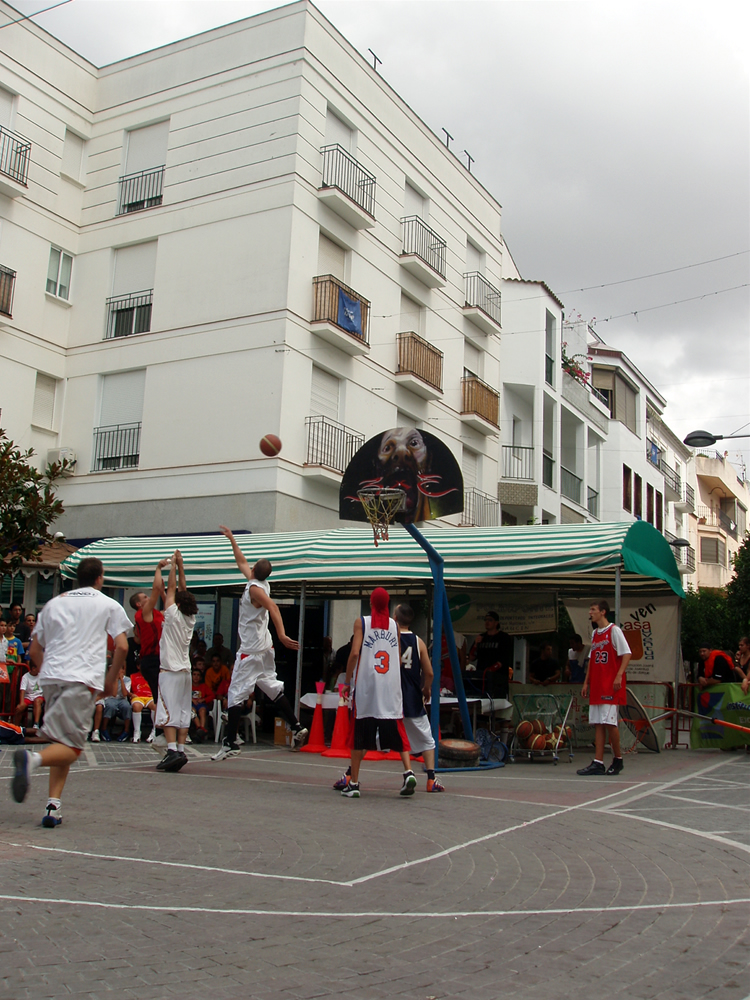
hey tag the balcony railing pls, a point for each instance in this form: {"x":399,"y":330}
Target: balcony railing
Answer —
{"x":15,"y":153}
{"x":717,"y":519}
{"x":420,"y":358}
{"x":128,"y":314}
{"x":518,"y":462}
{"x":480,"y":294}
{"x":653,"y":453}
{"x":424,"y":243}
{"x":480,"y":510}
{"x":549,"y":368}
{"x":142,"y":190}
{"x":116,"y":447}
{"x":688,"y":558}
{"x":334,"y":302}
{"x":548,"y":470}
{"x":7,"y":287}
{"x":599,"y":395}
{"x":570,"y":484}
{"x":330,"y":444}
{"x":593,"y":502}
{"x":341,"y":170}
{"x":479,"y":398}
{"x":688,"y":496}
{"x":672,"y":479}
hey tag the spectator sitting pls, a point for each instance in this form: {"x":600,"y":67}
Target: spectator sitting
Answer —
{"x":578,"y":654}
{"x":199,"y":664}
{"x":715,"y":667}
{"x":200,"y":651}
{"x":15,"y":652}
{"x":742,"y":663}
{"x":217,"y":675}
{"x":545,"y":670}
{"x":220,"y":650}
{"x":140,"y":698}
{"x":31,"y":696}
{"x":95,"y":736}
{"x":203,"y":698}
{"x":118,"y":705}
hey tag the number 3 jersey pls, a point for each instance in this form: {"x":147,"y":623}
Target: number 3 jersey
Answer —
{"x":377,"y":676}
{"x":608,"y":646}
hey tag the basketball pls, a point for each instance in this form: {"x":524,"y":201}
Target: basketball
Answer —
{"x":539,"y":742}
{"x":524,"y":730}
{"x":539,"y":726}
{"x":270,"y":445}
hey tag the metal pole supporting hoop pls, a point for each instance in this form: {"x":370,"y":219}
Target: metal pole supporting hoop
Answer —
{"x":381,"y":504}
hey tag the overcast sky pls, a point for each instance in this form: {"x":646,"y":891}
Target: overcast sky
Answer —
{"x":615,"y":136}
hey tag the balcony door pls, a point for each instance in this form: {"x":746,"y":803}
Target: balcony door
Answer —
{"x":324,"y":394}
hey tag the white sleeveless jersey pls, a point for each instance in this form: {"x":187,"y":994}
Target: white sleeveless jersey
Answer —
{"x":253,"y":622}
{"x":377,"y":677}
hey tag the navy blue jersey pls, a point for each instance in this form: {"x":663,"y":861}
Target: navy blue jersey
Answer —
{"x":411,"y":676}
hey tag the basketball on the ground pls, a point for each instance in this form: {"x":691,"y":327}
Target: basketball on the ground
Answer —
{"x":524,"y":730}
{"x":539,"y":742}
{"x":270,"y":445}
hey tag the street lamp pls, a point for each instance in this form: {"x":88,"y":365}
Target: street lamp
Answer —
{"x":680,"y":543}
{"x":704,"y":439}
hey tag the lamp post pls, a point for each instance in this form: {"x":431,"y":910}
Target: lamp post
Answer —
{"x":704,"y":439}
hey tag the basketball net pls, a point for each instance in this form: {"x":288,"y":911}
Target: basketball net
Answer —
{"x":381,"y":504}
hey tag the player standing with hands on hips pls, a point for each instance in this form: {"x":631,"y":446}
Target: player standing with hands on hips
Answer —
{"x":605,"y":686}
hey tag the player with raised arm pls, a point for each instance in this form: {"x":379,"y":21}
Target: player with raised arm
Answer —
{"x":255,"y":665}
{"x":149,"y":621}
{"x":175,"y":678}
{"x":70,"y":643}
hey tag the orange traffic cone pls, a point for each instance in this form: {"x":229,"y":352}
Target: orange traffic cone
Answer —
{"x":316,"y":742}
{"x":340,"y":740}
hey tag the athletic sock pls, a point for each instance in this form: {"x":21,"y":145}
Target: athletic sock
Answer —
{"x":137,"y":723}
{"x":234,"y":714}
{"x":53,"y":802}
{"x":430,"y":774}
{"x":285,"y":710}
{"x":598,"y":761}
{"x":180,"y":748}
{"x":172,"y":746}
{"x":35,"y":761}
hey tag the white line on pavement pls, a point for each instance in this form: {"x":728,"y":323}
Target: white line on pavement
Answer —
{"x":724,"y":841}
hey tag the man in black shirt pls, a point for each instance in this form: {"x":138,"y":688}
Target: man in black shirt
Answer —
{"x":715,"y":667}
{"x":544,"y":670}
{"x":493,"y":651}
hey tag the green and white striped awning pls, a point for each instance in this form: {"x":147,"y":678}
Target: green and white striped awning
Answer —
{"x":569,"y":558}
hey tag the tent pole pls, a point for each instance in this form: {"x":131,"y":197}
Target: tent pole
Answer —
{"x":618,"y":594}
{"x":301,"y":650}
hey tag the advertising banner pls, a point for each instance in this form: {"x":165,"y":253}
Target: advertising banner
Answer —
{"x":520,"y":614}
{"x":726,"y":702}
{"x":204,"y":623}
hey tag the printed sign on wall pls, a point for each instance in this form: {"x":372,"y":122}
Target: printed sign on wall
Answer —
{"x":521,"y":614}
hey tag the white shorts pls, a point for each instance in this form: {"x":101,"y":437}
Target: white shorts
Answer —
{"x":175,"y":699}
{"x":253,"y":670}
{"x":604,"y":715}
{"x":420,"y":734}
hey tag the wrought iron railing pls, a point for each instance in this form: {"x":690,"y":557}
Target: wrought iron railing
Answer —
{"x":480,"y":510}
{"x":341,"y":170}
{"x":549,"y":368}
{"x":424,"y":243}
{"x":328,"y":306}
{"x":7,"y":287}
{"x":688,"y":496}
{"x":15,"y":153}
{"x":593,"y":502}
{"x":653,"y":453}
{"x":142,"y":190}
{"x":480,"y":294}
{"x":330,"y":444}
{"x":570,"y":484}
{"x":116,"y":447}
{"x":599,"y":395}
{"x":518,"y":462}
{"x":479,"y":398}
{"x":128,"y":314}
{"x":689,"y":558}
{"x":548,"y":470}
{"x":672,"y":479}
{"x":714,"y":518}
{"x":420,"y":358}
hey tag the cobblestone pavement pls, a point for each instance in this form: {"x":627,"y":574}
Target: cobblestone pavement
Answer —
{"x":250,"y":877}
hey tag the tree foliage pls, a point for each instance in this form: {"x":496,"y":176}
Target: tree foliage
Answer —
{"x":738,"y":591}
{"x":705,"y":619}
{"x":28,"y":505}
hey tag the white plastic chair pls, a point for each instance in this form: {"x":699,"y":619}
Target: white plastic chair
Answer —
{"x":249,"y":719}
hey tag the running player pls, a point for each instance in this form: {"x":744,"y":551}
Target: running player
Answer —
{"x":70,"y":643}
{"x":374,"y":675}
{"x":255,"y":665}
{"x":175,"y":680}
{"x":605,"y":679}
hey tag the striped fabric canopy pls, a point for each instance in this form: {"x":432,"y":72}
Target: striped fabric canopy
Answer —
{"x":571,"y":558}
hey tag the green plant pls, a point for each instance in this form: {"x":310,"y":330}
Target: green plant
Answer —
{"x":573,"y":366}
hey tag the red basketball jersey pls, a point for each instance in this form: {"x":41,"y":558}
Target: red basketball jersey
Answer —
{"x":604,"y":663}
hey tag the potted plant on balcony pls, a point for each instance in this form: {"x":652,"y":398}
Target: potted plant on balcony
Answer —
{"x":573,"y":366}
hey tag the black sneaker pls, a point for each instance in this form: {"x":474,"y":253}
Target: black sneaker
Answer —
{"x":616,"y":766}
{"x":168,"y":761}
{"x":594,"y":768}
{"x":20,"y":784}
{"x":352,"y":790}
{"x":182,"y":759}
{"x":52,"y":817}
{"x":409,"y":785}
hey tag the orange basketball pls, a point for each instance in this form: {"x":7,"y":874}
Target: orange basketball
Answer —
{"x":539,"y":742}
{"x":539,"y":726}
{"x":524,"y":730}
{"x":270,"y":445}
{"x":569,"y":732}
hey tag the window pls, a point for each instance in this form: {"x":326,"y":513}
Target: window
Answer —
{"x":58,"y":273}
{"x":411,"y":316}
{"x":714,"y":550}
{"x":324,"y":394}
{"x":659,"y":511}
{"x":147,"y":147}
{"x":129,"y":308}
{"x":475,"y":259}
{"x":72,"y":158}
{"x":472,"y":361}
{"x":415,"y":203}
{"x":331,"y":258}
{"x":625,"y":404}
{"x":118,"y":436}
{"x":649,"y":503}
{"x":741,"y":520}
{"x":338,"y":132}
{"x":470,"y":469}
{"x":638,"y":497}
{"x":604,"y":382}
{"x":7,"y":101}
{"x":627,"y":488}
{"x":44,"y":400}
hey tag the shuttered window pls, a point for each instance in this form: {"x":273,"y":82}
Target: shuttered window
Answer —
{"x":72,"y":158}
{"x":122,"y":398}
{"x":474,"y":258}
{"x":414,"y":203}
{"x":627,"y":488}
{"x":638,"y":496}
{"x":135,"y":268}
{"x":411,"y":316}
{"x":472,"y":360}
{"x":147,"y":147}
{"x":470,"y":469}
{"x":324,"y":394}
{"x":44,"y":400}
{"x":549,"y":333}
{"x":331,"y":258}
{"x":625,"y":404}
{"x":714,"y":550}
{"x":6,"y":108}
{"x":338,"y":131}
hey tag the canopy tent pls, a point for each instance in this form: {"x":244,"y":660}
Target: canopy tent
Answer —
{"x":570,"y":558}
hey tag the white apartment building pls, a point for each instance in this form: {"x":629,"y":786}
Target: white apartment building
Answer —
{"x":722,"y":502}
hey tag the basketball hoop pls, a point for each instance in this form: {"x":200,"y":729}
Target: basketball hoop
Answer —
{"x":381,"y":504}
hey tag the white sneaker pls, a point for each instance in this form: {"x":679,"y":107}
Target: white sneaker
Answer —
{"x":150,"y":737}
{"x":95,"y":737}
{"x":137,"y":738}
{"x":226,"y":750}
{"x":298,"y":739}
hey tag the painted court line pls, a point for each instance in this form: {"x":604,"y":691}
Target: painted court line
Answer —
{"x":715,"y":837}
{"x":370,"y":914}
{"x":664,"y":785}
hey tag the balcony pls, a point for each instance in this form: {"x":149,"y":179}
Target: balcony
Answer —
{"x":518,"y":462}
{"x":570,"y":485}
{"x":340,"y":315}
{"x":480,"y":510}
{"x":140,"y":191}
{"x":548,"y":470}
{"x":420,"y":366}
{"x":593,"y":503}
{"x":717,"y":519}
{"x":7,"y":287}
{"x":479,"y":405}
{"x":672,"y":483}
{"x":549,"y":369}
{"x":347,"y":188}
{"x":129,"y":314}
{"x":15,"y":154}
{"x":330,"y":448}
{"x":685,"y":504}
{"x":116,"y":447}
{"x":653,"y":453}
{"x":482,"y":305}
{"x":423,"y":254}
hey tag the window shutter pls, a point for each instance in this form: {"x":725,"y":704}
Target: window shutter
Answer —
{"x":472,"y":360}
{"x":411,"y":314}
{"x":473,"y":257}
{"x":603,"y":379}
{"x":147,"y":147}
{"x":324,"y":394}
{"x":414,"y":203}
{"x":122,"y":398}
{"x":331,"y":258}
{"x":6,"y":107}
{"x":338,"y":132}
{"x":44,"y":400}
{"x":72,"y":157}
{"x":469,"y":468}
{"x":135,"y":268}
